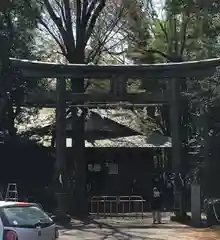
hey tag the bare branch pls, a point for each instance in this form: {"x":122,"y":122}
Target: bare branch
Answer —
{"x":91,"y":8}
{"x":159,"y":21}
{"x":163,"y":30}
{"x":58,"y":22}
{"x":61,"y":9}
{"x":68,"y":24}
{"x":54,"y":37}
{"x":175,"y":35}
{"x":55,"y":18}
{"x":183,"y":34}
{"x":78,"y":20}
{"x":106,"y":35}
{"x":94,"y":18}
{"x":84,"y":9}
{"x":112,"y":26}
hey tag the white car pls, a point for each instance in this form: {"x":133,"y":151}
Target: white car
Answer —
{"x":25,"y":221}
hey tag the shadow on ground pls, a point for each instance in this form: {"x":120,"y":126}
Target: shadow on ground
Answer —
{"x":98,"y":229}
{"x":93,"y":223}
{"x":107,"y":232}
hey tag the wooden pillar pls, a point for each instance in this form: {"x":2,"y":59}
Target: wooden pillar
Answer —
{"x":5,"y":71}
{"x":61,"y":130}
{"x":79,"y":201}
{"x":196,"y":205}
{"x":176,"y":142}
{"x":207,"y":169}
{"x":175,"y":124}
{"x":119,"y":85}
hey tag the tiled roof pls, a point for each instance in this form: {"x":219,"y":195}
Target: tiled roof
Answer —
{"x":124,"y":117}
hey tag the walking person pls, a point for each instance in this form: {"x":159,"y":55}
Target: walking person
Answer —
{"x":156,"y":205}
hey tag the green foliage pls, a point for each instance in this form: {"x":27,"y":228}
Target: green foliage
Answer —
{"x":17,"y":25}
{"x":179,"y":29}
{"x":186,"y":30}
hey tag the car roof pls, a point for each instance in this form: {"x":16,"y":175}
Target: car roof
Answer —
{"x":8,"y":203}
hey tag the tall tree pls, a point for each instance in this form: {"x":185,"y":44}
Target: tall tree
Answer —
{"x":17,"y":26}
{"x":73,"y":26}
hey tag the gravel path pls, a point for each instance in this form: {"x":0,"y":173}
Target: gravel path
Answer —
{"x":119,"y":229}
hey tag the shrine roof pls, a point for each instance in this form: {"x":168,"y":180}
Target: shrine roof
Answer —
{"x":107,"y":128}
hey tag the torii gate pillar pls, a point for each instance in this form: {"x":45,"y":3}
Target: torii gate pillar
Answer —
{"x":176,"y":143}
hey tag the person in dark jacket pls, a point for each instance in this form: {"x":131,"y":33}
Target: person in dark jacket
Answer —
{"x":156,"y":205}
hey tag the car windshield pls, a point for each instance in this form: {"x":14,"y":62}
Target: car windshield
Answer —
{"x":25,"y":216}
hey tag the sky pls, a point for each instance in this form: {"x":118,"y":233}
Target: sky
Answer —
{"x":55,"y":57}
{"x":159,"y":4}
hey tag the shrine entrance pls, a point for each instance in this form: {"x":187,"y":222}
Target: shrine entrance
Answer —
{"x":173,"y":92}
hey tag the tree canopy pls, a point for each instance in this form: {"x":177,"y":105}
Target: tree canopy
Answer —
{"x":181,"y":30}
{"x":17,"y":26}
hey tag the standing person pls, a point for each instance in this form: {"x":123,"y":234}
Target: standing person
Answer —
{"x":156,"y":205}
{"x":134,"y":187}
{"x":169,"y":195}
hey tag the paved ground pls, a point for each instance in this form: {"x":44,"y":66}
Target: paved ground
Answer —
{"x":119,"y":229}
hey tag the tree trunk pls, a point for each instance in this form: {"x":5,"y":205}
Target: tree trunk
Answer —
{"x":80,"y":205}
{"x":60,"y":170}
{"x":11,"y":120}
{"x":77,"y":173}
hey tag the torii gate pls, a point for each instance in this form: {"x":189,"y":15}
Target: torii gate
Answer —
{"x":168,"y":73}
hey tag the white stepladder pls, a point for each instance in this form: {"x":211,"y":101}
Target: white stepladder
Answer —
{"x":12,"y":192}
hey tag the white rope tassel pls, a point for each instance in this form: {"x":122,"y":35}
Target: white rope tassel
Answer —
{"x":60,"y":179}
{"x":207,"y":203}
{"x":214,"y":210}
